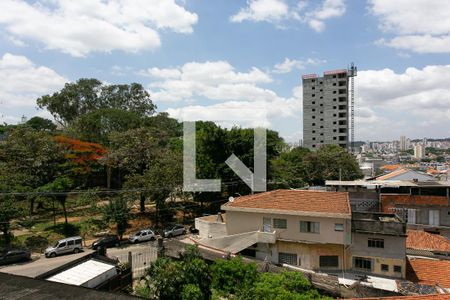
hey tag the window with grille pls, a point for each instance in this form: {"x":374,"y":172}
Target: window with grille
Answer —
{"x":329,"y":261}
{"x":309,"y":227}
{"x":280,"y":223}
{"x":375,"y":243}
{"x":287,"y":258}
{"x":362,"y":263}
{"x":384,"y":268}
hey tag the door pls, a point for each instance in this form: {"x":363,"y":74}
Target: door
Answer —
{"x":143,"y":236}
{"x":434,"y":217}
{"x":411,"y":216}
{"x":267,"y":225}
{"x":62,"y":248}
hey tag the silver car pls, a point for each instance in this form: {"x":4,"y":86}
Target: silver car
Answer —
{"x":142,"y":236}
{"x":174,"y":230}
{"x":67,"y":245}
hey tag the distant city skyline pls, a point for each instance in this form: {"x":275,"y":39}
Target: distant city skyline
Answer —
{"x":195,"y":57}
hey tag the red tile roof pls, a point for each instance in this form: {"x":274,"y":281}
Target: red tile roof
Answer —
{"x":428,"y":271}
{"x":418,"y":239}
{"x":295,"y":200}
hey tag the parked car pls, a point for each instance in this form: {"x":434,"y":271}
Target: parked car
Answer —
{"x":107,"y":241}
{"x":174,"y":230}
{"x":142,"y":236}
{"x":14,"y":256}
{"x":68,"y":245}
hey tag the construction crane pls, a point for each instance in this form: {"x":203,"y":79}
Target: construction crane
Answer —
{"x":351,"y":73}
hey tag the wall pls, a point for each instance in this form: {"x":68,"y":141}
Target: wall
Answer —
{"x":308,"y":254}
{"x":239,"y":222}
{"x":209,"y":228}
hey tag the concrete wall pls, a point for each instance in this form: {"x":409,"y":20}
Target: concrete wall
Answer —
{"x":239,"y":222}
{"x":308,"y":255}
{"x":328,"y":107}
{"x":394,"y":246}
{"x":209,"y":229}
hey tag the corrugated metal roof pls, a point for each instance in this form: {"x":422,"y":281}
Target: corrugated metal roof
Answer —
{"x":82,"y":273}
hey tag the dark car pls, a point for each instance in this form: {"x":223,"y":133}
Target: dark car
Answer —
{"x":107,"y":241}
{"x":173,"y":230}
{"x":14,"y":256}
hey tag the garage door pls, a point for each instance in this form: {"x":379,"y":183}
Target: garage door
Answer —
{"x":287,"y":258}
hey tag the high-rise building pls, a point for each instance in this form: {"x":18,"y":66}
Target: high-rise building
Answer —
{"x":419,"y":151}
{"x":325,"y":109}
{"x":403,"y":143}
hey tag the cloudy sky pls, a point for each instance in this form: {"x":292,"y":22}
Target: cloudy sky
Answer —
{"x":239,"y":61}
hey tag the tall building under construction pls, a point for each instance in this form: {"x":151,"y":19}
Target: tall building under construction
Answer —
{"x":326,"y":109}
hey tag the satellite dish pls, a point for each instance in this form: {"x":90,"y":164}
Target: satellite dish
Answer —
{"x":231,"y":199}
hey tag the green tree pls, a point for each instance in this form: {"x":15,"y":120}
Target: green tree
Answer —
{"x":97,"y":125}
{"x":117,"y":212}
{"x":9,"y":210}
{"x":281,"y":286}
{"x":288,"y":170}
{"x":87,"y":95}
{"x":331,"y":162}
{"x":29,"y":159}
{"x":232,"y":276}
{"x":59,"y":188}
{"x":38,"y":123}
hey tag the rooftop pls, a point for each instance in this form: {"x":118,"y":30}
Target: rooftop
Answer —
{"x":388,"y":183}
{"x":331,"y":204}
{"x":428,"y":271}
{"x":14,"y":287}
{"x":421,"y":240}
{"x":378,"y":223}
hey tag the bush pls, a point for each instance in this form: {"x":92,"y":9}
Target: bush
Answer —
{"x":191,"y":292}
{"x":36,"y":243}
{"x":231,"y":276}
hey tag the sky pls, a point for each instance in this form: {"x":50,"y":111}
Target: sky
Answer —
{"x":236,"y":62}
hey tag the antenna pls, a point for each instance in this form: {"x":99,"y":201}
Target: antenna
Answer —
{"x":351,"y":73}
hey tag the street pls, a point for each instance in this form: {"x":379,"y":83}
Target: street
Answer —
{"x":142,"y":254}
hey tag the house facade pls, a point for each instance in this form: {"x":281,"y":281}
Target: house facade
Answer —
{"x":311,"y":229}
{"x":378,"y":244}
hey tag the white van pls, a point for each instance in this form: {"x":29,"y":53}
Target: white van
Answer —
{"x":68,"y":245}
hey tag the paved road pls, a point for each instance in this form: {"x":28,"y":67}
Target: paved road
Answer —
{"x":142,"y":255}
{"x":42,"y":264}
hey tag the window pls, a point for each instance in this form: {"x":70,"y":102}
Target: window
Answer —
{"x":313,"y":138}
{"x":313,"y":117}
{"x":334,"y":84}
{"x":362,"y":263}
{"x":287,"y":258}
{"x":313,"y":131}
{"x":313,"y":124}
{"x":313,"y":102}
{"x":434,"y":217}
{"x":71,"y":243}
{"x":313,"y":95}
{"x":411,"y":216}
{"x":280,"y":223}
{"x":384,"y":268}
{"x":329,"y":261}
{"x":313,"y":88}
{"x":338,"y":227}
{"x":62,"y":245}
{"x":375,"y":243}
{"x":267,"y":225}
{"x":398,"y":269}
{"x":309,"y":227}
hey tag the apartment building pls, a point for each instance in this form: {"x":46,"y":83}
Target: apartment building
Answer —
{"x":378,"y":244}
{"x":325,"y":109}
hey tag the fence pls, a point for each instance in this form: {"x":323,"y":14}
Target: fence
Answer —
{"x":140,"y":260}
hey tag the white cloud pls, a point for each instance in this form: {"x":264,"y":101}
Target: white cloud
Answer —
{"x":288,"y":65}
{"x":277,"y":11}
{"x":84,"y":26}
{"x":388,"y":103}
{"x":417,"y":25}
{"x":329,"y":9}
{"x":217,"y":80}
{"x":22,"y":82}
{"x":262,"y":10}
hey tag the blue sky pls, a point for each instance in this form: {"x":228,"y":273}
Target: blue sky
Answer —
{"x":204,"y":59}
